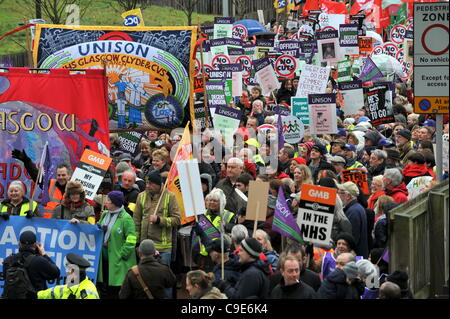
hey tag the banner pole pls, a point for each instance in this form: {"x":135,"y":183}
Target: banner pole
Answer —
{"x":190,"y":188}
{"x":205,"y":101}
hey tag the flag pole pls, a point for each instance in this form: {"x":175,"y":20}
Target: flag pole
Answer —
{"x":167,"y":179}
{"x":205,"y":101}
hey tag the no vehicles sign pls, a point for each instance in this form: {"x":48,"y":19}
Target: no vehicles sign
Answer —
{"x":431,"y":58}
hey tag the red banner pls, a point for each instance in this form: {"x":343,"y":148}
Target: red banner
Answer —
{"x":67,"y":110}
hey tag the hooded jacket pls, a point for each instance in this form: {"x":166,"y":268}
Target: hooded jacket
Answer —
{"x":356,"y":214}
{"x":405,"y":151}
{"x":207,"y":177}
{"x":210,"y":293}
{"x":253,"y":284}
{"x":231,"y":268}
{"x":373,"y":136}
{"x":334,"y":286}
{"x":398,"y":193}
{"x":81,"y":210}
{"x":414,"y":170}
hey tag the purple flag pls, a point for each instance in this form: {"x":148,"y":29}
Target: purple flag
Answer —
{"x":370,"y":71}
{"x":283,"y":221}
{"x":385,"y":256}
{"x":280,"y":130}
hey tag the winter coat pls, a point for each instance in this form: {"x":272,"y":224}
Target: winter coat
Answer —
{"x":380,"y":232}
{"x":373,"y":199}
{"x":121,"y":253}
{"x":299,"y":290}
{"x":161,"y":231}
{"x":234,"y":201}
{"x":210,"y":293}
{"x":398,"y":193}
{"x":253,"y":284}
{"x":340,"y":221}
{"x":356,"y":214}
{"x":414,"y":170}
{"x":130,"y":197}
{"x":272,"y":258}
{"x":40,"y":270}
{"x":309,"y":277}
{"x":155,"y":275}
{"x":405,"y":152}
{"x":375,"y":171}
{"x":81,"y":212}
{"x":334,"y":286}
{"x":15,"y":210}
{"x":322,"y":166}
{"x":231,"y":271}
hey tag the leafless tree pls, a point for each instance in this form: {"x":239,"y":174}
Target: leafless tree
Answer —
{"x":55,"y":10}
{"x":188,"y":7}
{"x":241,"y":9}
{"x":127,"y":5}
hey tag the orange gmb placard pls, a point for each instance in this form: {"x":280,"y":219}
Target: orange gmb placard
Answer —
{"x":96,"y":159}
{"x":319,"y":194}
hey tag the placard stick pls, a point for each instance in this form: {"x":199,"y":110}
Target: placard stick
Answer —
{"x":256,"y":219}
{"x":159,"y":200}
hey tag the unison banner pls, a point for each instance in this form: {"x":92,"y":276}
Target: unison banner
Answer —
{"x":59,"y":237}
{"x":69,"y":111}
{"x":148,"y":69}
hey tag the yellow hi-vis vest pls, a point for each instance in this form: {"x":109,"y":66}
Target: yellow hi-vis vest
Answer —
{"x":216,"y":222}
{"x":23,"y":210}
{"x":85,"y":290}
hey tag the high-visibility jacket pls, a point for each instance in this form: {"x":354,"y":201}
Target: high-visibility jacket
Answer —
{"x":85,"y":290}
{"x":56,"y":197}
{"x":356,"y":164}
{"x":216,"y":222}
{"x":23,"y":209}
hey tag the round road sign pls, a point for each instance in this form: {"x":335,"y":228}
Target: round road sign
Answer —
{"x":430,"y":32}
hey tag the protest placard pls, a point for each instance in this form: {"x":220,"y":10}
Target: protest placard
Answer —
{"x":289,"y":47}
{"x":90,"y":171}
{"x":225,"y":77}
{"x":239,"y":31}
{"x":360,"y":21}
{"x":300,"y":109}
{"x":344,"y":71}
{"x":129,"y":142}
{"x":201,"y":116}
{"x":262,"y":48}
{"x":379,"y":100}
{"x":293,"y":129}
{"x":223,"y":27}
{"x":227,"y":119}
{"x":285,"y":66}
{"x":313,"y":80}
{"x":216,"y":94}
{"x":190,"y":183}
{"x":357,"y":176}
{"x":266,"y":76}
{"x":417,"y":185}
{"x":365,"y":45}
{"x":352,"y":95}
{"x":316,"y":213}
{"x":236,"y":77}
{"x":348,"y":39}
{"x":59,"y":237}
{"x":328,"y":46}
{"x":322,"y":113}
{"x":258,"y":197}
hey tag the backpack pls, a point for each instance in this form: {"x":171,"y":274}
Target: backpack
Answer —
{"x":17,"y":282}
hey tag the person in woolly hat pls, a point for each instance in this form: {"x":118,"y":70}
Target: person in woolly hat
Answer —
{"x":74,"y":207}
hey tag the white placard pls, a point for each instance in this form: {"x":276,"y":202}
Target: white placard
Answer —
{"x":313,"y":80}
{"x":191,"y":187}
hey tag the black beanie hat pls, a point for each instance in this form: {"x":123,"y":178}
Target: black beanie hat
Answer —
{"x":154,"y":177}
{"x":348,"y":238}
{"x":327,"y":182}
{"x":400,"y":278}
{"x":252,"y":247}
{"x":405,"y":133}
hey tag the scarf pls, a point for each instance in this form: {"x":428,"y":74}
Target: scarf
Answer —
{"x":109,"y":221}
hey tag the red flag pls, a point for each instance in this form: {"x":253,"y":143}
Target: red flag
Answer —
{"x":361,"y":5}
{"x":310,"y":5}
{"x":332,"y":7}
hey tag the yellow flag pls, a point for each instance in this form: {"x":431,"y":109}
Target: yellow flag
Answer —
{"x":184,"y":152}
{"x":133,"y":18}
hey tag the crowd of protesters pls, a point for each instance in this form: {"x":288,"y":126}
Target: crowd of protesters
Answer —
{"x":263,"y":264}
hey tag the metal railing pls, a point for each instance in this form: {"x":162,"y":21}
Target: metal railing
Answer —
{"x":418,"y":241}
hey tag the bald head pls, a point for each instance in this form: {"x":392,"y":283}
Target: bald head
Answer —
{"x":389,"y":290}
{"x":343,"y":259}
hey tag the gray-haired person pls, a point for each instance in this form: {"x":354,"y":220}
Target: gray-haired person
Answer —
{"x":394,"y":185}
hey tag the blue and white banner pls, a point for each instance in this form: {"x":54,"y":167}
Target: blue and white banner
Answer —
{"x":59,"y":237}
